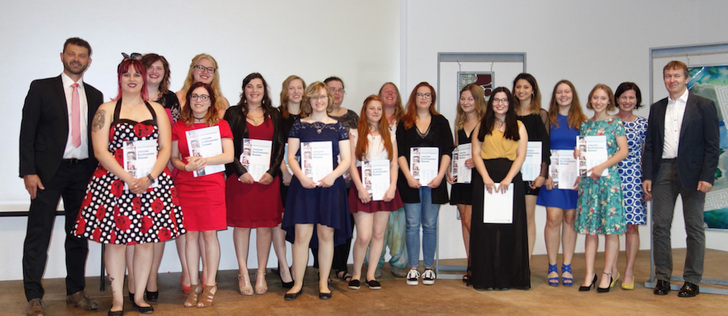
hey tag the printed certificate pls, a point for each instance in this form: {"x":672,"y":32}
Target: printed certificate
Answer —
{"x":460,"y":173}
{"x":205,"y":142}
{"x":498,"y":207}
{"x":375,"y":178}
{"x":139,"y":158}
{"x":531,"y":168}
{"x":317,"y":160}
{"x":423,"y":163}
{"x":593,"y":151}
{"x":563,"y":169}
{"x":256,"y":157}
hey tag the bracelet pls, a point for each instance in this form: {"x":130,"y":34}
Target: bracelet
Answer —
{"x":151,"y":180}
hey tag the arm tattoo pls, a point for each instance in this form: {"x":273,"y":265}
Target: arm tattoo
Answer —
{"x":99,"y":120}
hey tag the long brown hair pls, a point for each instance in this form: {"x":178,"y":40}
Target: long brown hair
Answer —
{"x":535,"y":106}
{"x":575,"y":116}
{"x":488,"y":122}
{"x":363,"y":130}
{"x":211,"y":117}
{"x":284,"y":95}
{"x":411,"y":116}
{"x":479,"y":95}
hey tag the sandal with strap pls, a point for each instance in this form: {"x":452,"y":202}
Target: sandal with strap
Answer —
{"x":207,"y":296}
{"x":566,"y":281}
{"x":261,"y":286}
{"x":553,"y":281}
{"x":192,"y":296}
{"x":245,"y":288}
{"x":344,"y":275}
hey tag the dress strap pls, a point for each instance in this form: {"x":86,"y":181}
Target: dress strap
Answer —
{"x":151,"y":110}
{"x":117,"y":110}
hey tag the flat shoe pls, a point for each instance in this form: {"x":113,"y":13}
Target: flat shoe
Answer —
{"x":292,"y":296}
{"x":116,"y":313}
{"x":354,"y":284}
{"x":151,"y":296}
{"x":374,"y":284}
{"x":142,"y":309}
{"x":325,"y":296}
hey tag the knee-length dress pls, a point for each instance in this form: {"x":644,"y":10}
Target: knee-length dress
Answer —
{"x":562,"y":137}
{"x":325,"y":206}
{"x":630,"y":170}
{"x":462,"y":193}
{"x":202,"y":198}
{"x":599,"y":207}
{"x":499,"y":252}
{"x":109,"y":214}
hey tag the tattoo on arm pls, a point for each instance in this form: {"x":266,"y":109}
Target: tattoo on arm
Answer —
{"x":99,"y":120}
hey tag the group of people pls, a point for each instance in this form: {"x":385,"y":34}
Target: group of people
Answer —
{"x":311,"y":189}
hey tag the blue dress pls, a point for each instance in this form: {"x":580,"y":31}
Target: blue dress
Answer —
{"x":325,"y":206}
{"x":561,"y":138}
{"x":630,"y":170}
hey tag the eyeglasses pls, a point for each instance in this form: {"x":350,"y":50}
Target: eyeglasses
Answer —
{"x":335,"y":90}
{"x":201,"y":97}
{"x":202,"y":68}
{"x":424,"y":95}
{"x":501,"y":101}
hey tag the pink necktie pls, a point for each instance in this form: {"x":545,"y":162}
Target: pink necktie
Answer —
{"x":75,"y":117}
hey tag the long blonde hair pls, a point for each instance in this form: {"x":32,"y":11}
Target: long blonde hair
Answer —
{"x":215,"y":84}
{"x":480,"y":103}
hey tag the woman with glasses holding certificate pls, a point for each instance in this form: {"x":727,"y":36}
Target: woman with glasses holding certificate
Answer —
{"x":373,"y":187}
{"x":201,"y":141}
{"x":317,"y":201}
{"x":253,"y":189}
{"x":498,"y":237}
{"x":424,"y":145}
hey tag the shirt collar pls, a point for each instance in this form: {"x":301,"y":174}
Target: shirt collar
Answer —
{"x":67,"y":81}
{"x":683,"y":97}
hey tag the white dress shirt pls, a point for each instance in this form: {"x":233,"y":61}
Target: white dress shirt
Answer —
{"x":71,"y":151}
{"x":673,"y":121}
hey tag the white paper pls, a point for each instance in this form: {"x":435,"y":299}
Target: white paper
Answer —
{"x":423,"y":163}
{"x":460,"y":173}
{"x":139,"y":158}
{"x":285,"y":158}
{"x":531,"y":168}
{"x":563,"y":169}
{"x":375,"y":178}
{"x":593,"y":151}
{"x":498,"y":207}
{"x":256,"y":157}
{"x":317,"y":160}
{"x":205,"y":143}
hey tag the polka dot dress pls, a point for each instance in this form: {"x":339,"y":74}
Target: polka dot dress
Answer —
{"x":109,"y":214}
{"x":630,"y":171}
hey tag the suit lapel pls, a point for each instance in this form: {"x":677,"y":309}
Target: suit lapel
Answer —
{"x":60,"y":94}
{"x":690,"y":111}
{"x":660,"y":109}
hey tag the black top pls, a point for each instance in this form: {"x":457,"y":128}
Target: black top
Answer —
{"x":350,"y":119}
{"x":537,"y":132}
{"x":239,"y":126}
{"x":170,"y":102}
{"x":440,"y":136}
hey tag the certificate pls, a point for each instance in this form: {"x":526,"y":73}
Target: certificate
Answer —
{"x":423,"y":163}
{"x":285,"y":158}
{"x":593,"y":151}
{"x":205,"y":143}
{"x":139,"y":158}
{"x":375,"y":178}
{"x":498,"y":207}
{"x":563,"y":169}
{"x":531,"y":168}
{"x":256,"y":157}
{"x":317,"y":160}
{"x":460,"y":173}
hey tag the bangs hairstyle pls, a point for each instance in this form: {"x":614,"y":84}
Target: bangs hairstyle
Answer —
{"x":211,"y":117}
{"x":398,"y":109}
{"x":575,"y":116}
{"x":600,"y":86}
{"x":215,"y":84}
{"x":535,"y":106}
{"x":124,"y":68}
{"x":149,"y":59}
{"x":310,"y":91}
{"x":362,"y":142}
{"x":411,"y":115}
{"x":673,"y":65}
{"x":626,"y":86}
{"x":265,"y":104}
{"x":284,"y":94}
{"x":488,"y":123}
{"x":479,"y":95}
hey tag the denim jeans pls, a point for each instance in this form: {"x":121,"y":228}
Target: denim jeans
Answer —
{"x":421,"y":214}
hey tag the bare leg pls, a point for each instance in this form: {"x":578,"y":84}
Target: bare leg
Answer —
{"x":531,"y":222}
{"x":377,"y":242}
{"x":611,"y":252}
{"x":590,"y":252}
{"x":130,"y":268}
{"x":152,"y":281}
{"x":326,"y":255}
{"x":181,"y":247}
{"x":263,"y":241}
{"x":364,"y":222}
{"x":203,"y":254}
{"x":568,"y":238}
{"x":114,"y":256}
{"x":143,"y":258}
{"x":212,"y":256}
{"x":631,"y":248}
{"x":300,"y":255}
{"x":552,"y":235}
{"x":241,"y":239}
{"x":192,"y":252}
{"x":279,"y":246}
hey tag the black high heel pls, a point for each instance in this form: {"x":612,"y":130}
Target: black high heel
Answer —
{"x":286,"y":285}
{"x":606,"y":289}
{"x":587,"y":288}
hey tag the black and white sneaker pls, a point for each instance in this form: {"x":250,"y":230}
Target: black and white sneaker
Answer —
{"x":413,"y":277}
{"x":428,"y":278}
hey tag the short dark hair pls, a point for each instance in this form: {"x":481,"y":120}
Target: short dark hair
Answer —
{"x":334,"y":78}
{"x":626,"y":86}
{"x":78,"y":42}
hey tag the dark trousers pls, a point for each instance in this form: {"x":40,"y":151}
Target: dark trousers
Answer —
{"x":666,"y":188}
{"x":70,"y":182}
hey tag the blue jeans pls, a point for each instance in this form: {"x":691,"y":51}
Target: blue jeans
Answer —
{"x":425,"y":214}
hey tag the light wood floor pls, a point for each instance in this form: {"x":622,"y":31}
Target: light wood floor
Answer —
{"x":446,"y":297}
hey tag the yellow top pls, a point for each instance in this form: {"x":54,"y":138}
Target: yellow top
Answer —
{"x":497,"y":146}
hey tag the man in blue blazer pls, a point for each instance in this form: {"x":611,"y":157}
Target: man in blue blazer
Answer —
{"x":57,"y":160}
{"x":681,"y":156}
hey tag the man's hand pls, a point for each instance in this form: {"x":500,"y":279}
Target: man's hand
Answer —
{"x":32,"y":184}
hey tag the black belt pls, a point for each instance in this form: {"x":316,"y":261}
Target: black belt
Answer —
{"x":668,"y":160}
{"x":74,"y":161}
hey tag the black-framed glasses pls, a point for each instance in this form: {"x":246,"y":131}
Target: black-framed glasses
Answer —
{"x":202,"y":68}
{"x":424,"y":95}
{"x":201,"y":97}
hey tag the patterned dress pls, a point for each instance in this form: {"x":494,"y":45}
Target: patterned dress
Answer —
{"x":109,"y":214}
{"x":599,"y":207}
{"x":630,"y":170}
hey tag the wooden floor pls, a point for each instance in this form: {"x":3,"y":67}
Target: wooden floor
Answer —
{"x":446,"y":297}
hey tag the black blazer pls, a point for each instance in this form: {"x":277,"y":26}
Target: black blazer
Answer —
{"x":697,"y":154}
{"x":44,"y":127}
{"x":239,"y":126}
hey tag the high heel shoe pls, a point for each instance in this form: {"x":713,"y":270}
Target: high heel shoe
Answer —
{"x":185,"y":288}
{"x":587,"y":288}
{"x":566,"y":281}
{"x":611,"y":284}
{"x":245,"y":288}
{"x":207,"y":296}
{"x":285,"y":285}
{"x":192,"y":296}
{"x":553,"y":281}
{"x":261,"y":286}
{"x":151,"y":296}
{"x":606,"y":289}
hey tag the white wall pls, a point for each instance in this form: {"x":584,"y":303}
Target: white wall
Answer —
{"x":587,"y":42}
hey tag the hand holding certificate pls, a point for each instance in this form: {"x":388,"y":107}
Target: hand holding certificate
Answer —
{"x":592,"y":152}
{"x":423,"y":164}
{"x":139,"y":158}
{"x":316,"y":160}
{"x":375,"y":178}
{"x":498,"y":206}
{"x":205,"y":143}
{"x":256,"y":157}
{"x":563,"y":169}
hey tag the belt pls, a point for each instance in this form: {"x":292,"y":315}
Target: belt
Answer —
{"x":668,"y":160}
{"x":74,"y":161}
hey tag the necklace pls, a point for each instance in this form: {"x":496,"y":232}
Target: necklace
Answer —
{"x":199,"y":118}
{"x":319,"y":126}
{"x":500,"y":125}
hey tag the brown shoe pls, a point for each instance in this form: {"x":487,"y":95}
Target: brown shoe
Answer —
{"x":82,"y":301}
{"x":35,"y":308}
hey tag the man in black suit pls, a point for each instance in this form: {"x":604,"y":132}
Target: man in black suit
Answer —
{"x":681,"y":156}
{"x":56,"y":160}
